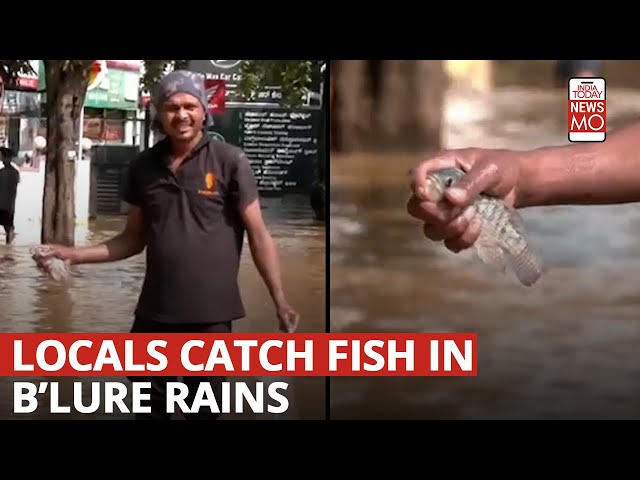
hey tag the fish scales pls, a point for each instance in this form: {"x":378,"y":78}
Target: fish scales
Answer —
{"x":502,"y":239}
{"x":497,"y":224}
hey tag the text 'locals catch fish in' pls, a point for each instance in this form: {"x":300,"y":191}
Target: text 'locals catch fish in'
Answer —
{"x":503,"y":240}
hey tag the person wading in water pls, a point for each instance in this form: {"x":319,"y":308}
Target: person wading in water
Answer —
{"x":192,"y":199}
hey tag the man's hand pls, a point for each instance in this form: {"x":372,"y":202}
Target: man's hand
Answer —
{"x":266,"y":260}
{"x":45,"y":253}
{"x":44,"y":256}
{"x":495,"y":172}
{"x":124,"y":245}
{"x":288,"y":318}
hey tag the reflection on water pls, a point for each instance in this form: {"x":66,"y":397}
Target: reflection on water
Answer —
{"x":567,"y":348}
{"x":102,"y":297}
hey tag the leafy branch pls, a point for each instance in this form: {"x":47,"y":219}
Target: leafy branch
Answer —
{"x":293,"y":77}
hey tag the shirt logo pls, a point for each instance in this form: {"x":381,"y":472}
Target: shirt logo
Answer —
{"x":210,"y":180}
{"x":210,"y":183}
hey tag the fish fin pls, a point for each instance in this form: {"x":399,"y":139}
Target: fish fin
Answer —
{"x":527,"y":266}
{"x":490,"y":253}
{"x":516,"y":220}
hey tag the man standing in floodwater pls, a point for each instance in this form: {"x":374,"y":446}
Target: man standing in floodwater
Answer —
{"x":9,"y":180}
{"x":192,"y":199}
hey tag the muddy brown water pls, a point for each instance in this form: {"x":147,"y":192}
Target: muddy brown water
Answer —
{"x":568,"y":348}
{"x":102,"y":297}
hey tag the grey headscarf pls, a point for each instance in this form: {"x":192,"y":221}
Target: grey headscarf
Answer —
{"x":183,"y":81}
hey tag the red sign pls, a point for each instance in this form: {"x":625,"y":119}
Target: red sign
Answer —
{"x":307,"y":355}
{"x":145,"y":99}
{"x":216,"y":94}
{"x":28,"y":83}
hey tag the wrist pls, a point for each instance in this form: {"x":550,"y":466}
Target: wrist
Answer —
{"x":73,"y":256}
{"x":279,"y":300}
{"x":529,"y":186}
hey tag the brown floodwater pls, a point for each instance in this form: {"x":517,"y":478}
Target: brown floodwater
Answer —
{"x":102,"y":298}
{"x":567,"y":348}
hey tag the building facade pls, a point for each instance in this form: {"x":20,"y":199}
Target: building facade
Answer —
{"x":112,"y":103}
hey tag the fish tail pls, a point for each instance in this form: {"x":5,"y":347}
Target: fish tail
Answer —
{"x":527,"y":266}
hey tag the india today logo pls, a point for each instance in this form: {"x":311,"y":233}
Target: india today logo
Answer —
{"x":587,"y":110}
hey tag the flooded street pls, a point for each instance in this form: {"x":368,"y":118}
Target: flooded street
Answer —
{"x":102,"y":297}
{"x":567,"y":348}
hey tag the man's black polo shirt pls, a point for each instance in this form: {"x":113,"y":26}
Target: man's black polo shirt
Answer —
{"x":194,"y":231}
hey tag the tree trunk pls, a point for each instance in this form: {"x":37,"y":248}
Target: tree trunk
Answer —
{"x":350,"y":104}
{"x":392,"y":114}
{"x":66,"y":88}
{"x":331,"y":109}
{"x":403,"y":114}
{"x":430,"y":86}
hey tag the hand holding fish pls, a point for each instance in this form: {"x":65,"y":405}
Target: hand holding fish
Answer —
{"x":53,"y":259}
{"x":494,"y":172}
{"x":467,"y":198}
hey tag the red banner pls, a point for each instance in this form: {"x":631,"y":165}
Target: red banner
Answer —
{"x":402,"y":354}
{"x":216,"y":94}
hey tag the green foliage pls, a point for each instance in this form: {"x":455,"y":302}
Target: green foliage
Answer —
{"x":294,"y":77}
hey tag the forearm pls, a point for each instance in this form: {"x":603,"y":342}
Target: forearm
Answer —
{"x":265,"y":258}
{"x":118,"y":248}
{"x":590,"y":173}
